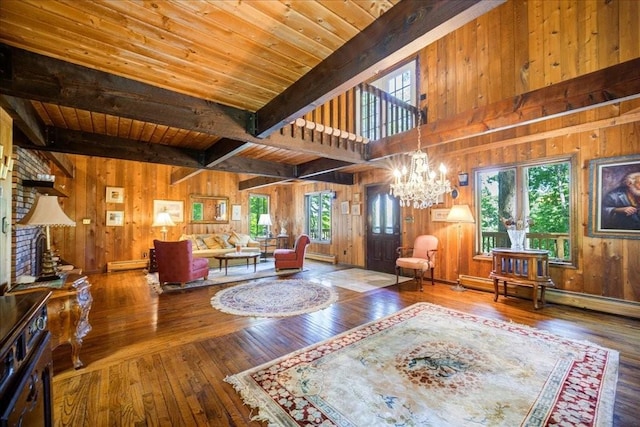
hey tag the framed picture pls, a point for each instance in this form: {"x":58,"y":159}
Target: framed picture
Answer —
{"x":355,"y":209}
{"x":344,"y":208}
{"x":115,"y":218}
{"x":439,"y":215}
{"x":356,"y":198}
{"x":613,"y":182}
{"x":236,"y":213}
{"x":209,"y":209}
{"x":175,"y":208}
{"x":115,"y":195}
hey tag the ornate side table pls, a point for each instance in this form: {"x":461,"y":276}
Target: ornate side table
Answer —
{"x":527,"y":267}
{"x":68,"y":310}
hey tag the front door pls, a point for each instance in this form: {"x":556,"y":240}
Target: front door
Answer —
{"x":383,"y":229}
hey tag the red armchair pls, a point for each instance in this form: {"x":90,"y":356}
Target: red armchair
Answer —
{"x":292,"y":258}
{"x":176,"y":263}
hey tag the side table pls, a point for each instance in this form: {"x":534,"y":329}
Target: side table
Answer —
{"x":528,"y":267}
{"x":68,"y":310}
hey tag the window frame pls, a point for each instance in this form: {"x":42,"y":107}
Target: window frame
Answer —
{"x":250,"y":216}
{"x":307,"y":199}
{"x":376,"y":115}
{"x":572,"y":260}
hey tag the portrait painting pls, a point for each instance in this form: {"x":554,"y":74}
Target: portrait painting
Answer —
{"x":614,"y":206}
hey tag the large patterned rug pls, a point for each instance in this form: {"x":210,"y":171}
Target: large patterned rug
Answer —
{"x":236,"y":273}
{"x":431,"y":366}
{"x":274,"y":298}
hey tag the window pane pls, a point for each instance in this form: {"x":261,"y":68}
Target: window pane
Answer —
{"x":548,"y":208}
{"x":258,"y":204}
{"x":318,"y":211}
{"x":376,"y":219}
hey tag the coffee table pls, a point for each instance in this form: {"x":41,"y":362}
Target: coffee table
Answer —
{"x":237,"y":255}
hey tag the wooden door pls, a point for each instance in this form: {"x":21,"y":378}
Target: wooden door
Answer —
{"x":382,"y":228}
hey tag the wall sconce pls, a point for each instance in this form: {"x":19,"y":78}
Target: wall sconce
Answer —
{"x":463,"y":179}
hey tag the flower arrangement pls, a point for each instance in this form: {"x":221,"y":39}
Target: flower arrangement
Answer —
{"x":517,"y":224}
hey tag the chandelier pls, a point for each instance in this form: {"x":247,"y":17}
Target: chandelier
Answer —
{"x":418,"y":184}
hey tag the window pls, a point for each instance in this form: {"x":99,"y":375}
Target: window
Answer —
{"x":318,"y":209}
{"x":385,"y":215}
{"x":537,"y":198}
{"x":392,"y":111}
{"x":258,"y":204}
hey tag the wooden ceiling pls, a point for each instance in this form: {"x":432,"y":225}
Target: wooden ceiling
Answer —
{"x":203,"y":84}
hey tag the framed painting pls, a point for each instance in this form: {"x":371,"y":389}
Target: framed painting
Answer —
{"x":175,"y":208}
{"x":614,"y":205}
{"x":115,"y":218}
{"x":355,"y":210}
{"x":115,"y":195}
{"x":439,"y":215}
{"x":344,"y":208}
{"x":236,"y":213}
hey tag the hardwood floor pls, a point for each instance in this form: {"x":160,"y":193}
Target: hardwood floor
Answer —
{"x":160,"y":360}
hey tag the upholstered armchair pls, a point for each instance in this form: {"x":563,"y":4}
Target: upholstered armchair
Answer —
{"x":292,"y":258}
{"x":176,"y":263}
{"x":420,"y":257}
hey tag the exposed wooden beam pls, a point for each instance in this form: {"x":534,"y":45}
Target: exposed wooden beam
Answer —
{"x":257,"y":182}
{"x":97,"y":145}
{"x":340,"y":178}
{"x":58,"y":82}
{"x":26,"y":119}
{"x":608,"y":86}
{"x":180,"y":174}
{"x":400,"y":32}
{"x":258,"y":167}
{"x":223,"y":150}
{"x":320,"y":166}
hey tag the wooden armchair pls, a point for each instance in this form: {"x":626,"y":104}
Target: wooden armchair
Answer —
{"x":420,"y":257}
{"x":292,"y":258}
{"x":176,"y":263}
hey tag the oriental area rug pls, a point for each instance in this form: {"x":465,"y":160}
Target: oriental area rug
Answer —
{"x":431,"y":366}
{"x":236,"y":273}
{"x":274,"y":298}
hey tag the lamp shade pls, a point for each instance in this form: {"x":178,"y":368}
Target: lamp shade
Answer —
{"x":460,"y":213}
{"x":47,"y":211}
{"x":163,"y":219}
{"x":265,"y":219}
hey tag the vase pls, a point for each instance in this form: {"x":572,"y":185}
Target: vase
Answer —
{"x":517,"y":239}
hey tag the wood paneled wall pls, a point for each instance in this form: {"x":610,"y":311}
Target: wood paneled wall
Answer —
{"x":518,"y":47}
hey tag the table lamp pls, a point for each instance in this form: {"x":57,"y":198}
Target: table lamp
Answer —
{"x":47,"y":212}
{"x":265,"y":220}
{"x":459,"y":214}
{"x":163,"y":219}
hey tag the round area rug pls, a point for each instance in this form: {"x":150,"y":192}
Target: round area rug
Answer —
{"x":274,"y":298}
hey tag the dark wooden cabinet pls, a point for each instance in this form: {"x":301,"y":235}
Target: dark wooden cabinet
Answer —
{"x":26,"y":367}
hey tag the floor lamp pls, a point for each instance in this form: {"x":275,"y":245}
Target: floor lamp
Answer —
{"x":459,"y":214}
{"x":47,"y":212}
{"x":163,"y":219}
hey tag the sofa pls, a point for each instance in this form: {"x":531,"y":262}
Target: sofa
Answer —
{"x":212,"y":244}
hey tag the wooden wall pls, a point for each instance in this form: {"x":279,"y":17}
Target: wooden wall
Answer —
{"x":518,"y":47}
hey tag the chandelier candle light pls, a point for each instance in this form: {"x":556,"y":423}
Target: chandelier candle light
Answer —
{"x":418,"y":184}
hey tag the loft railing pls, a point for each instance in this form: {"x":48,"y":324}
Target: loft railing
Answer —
{"x":558,"y":244}
{"x":383,"y":114}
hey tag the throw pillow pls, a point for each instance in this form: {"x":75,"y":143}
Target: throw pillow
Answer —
{"x":239,"y":239}
{"x":212,"y":243}
{"x":200,"y":243}
{"x":222,"y":241}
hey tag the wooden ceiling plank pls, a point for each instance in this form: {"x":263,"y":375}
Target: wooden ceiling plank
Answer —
{"x":610,"y":85}
{"x":403,"y":30}
{"x":37,"y":77}
{"x":26,"y":118}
